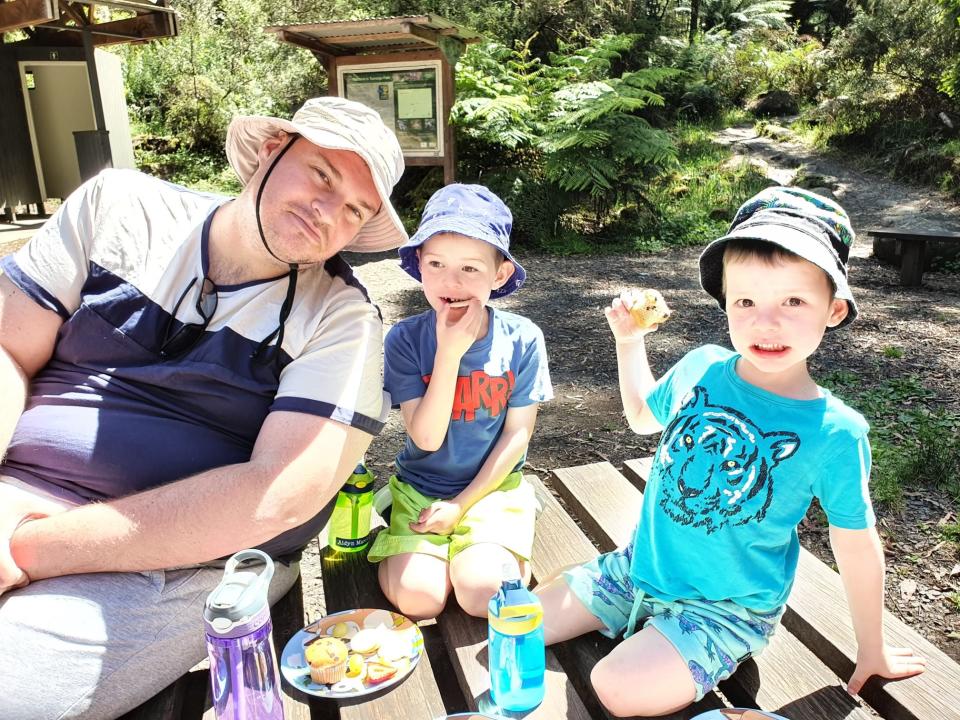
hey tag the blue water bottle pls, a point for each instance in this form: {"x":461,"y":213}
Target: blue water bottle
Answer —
{"x":516,"y":649}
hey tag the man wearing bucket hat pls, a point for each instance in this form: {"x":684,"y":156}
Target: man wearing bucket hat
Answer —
{"x":468,"y":379}
{"x":199,"y":374}
{"x":748,"y":440}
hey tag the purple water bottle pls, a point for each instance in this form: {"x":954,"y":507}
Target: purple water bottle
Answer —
{"x":243,"y":665}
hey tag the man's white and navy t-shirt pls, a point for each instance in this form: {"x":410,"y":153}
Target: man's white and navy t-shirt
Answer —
{"x":107,"y":416}
{"x":506,"y":368}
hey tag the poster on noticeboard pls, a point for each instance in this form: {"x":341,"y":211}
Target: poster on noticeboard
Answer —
{"x":407,"y":97}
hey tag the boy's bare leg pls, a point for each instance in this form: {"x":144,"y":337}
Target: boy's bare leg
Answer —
{"x":564,"y":616}
{"x":477,"y":571}
{"x":417,"y":584}
{"x":644,"y":675}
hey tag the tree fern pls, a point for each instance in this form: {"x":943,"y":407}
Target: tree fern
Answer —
{"x":597,"y":144}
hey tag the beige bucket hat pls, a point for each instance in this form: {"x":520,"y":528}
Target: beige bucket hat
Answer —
{"x":337,"y":124}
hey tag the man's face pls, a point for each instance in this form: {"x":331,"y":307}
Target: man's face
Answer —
{"x":315,"y":201}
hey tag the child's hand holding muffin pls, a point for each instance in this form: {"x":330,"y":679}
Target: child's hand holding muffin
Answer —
{"x":635,"y":313}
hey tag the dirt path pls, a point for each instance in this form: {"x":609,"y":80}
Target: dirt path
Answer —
{"x":870,"y":199}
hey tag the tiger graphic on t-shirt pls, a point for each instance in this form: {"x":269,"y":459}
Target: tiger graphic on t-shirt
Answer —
{"x":717,"y":465}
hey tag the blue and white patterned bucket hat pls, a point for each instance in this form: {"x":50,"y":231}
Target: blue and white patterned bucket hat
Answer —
{"x":808,"y":225}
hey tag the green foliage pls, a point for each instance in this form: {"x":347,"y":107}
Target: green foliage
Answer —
{"x":897,"y":47}
{"x":500,"y":95}
{"x":950,"y":531}
{"x":913,"y":441}
{"x":221,"y":63}
{"x":566,"y":132}
{"x":740,"y":15}
{"x":596,"y":144}
{"x":694,"y":202}
{"x":169,"y":159}
{"x":950,"y":80}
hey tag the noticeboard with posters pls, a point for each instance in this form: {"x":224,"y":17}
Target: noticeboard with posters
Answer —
{"x":407,"y":96}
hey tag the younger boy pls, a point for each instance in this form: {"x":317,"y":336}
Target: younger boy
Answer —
{"x":468,"y":379}
{"x":749,"y":439}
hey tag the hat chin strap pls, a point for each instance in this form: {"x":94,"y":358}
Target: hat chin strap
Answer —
{"x":260,"y":354}
{"x":256,"y":207}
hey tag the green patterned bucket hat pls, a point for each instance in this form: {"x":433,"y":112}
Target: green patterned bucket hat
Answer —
{"x":808,"y":225}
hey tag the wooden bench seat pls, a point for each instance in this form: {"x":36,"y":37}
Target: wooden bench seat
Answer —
{"x":913,"y":246}
{"x":800,"y":676}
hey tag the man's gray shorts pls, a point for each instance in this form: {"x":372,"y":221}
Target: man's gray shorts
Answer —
{"x":97,"y":645}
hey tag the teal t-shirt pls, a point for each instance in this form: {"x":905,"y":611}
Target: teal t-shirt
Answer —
{"x":735,"y":470}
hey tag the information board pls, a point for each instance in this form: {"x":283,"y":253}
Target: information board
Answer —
{"x":407,"y":97}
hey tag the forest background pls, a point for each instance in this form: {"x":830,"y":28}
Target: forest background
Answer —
{"x":595,"y":120}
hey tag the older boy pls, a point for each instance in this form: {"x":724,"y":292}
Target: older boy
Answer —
{"x":468,"y":379}
{"x":748,"y":440}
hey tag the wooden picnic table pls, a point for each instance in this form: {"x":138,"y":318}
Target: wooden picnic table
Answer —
{"x":800,"y":676}
{"x":913,"y":246}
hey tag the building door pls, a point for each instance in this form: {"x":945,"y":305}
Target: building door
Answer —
{"x":57,"y":95}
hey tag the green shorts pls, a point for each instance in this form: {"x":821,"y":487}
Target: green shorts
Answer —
{"x":505,"y":517}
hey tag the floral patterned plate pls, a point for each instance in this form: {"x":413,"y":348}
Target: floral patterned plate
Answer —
{"x":383,"y":648}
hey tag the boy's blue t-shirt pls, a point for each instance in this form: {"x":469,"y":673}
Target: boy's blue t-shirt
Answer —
{"x":506,"y":368}
{"x":735,"y":470}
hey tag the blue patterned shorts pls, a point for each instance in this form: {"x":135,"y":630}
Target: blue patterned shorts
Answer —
{"x":712,"y":637}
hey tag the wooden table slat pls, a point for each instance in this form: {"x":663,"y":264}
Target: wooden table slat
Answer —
{"x":287,"y":616}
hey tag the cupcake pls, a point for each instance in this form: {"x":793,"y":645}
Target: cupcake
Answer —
{"x":327,"y":658}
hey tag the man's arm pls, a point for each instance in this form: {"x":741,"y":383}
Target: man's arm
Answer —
{"x":442,"y":516}
{"x":633,"y":368}
{"x":28,"y":333}
{"x":298,"y":463}
{"x":859,"y":556}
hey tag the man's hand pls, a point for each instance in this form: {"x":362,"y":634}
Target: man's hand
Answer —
{"x":458,"y":325}
{"x":891,"y":663}
{"x":11,"y":576}
{"x":440,"y":518}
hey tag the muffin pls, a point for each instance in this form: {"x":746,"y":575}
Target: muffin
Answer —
{"x":327,"y":658}
{"x":649,"y":308}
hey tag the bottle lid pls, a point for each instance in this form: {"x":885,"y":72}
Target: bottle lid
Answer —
{"x":360,"y":478}
{"x":241,"y":594}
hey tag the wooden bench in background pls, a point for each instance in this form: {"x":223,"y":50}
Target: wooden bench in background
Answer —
{"x":912,"y":250}
{"x":800,"y":676}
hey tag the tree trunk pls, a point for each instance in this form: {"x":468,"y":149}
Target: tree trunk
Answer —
{"x":694,"y":20}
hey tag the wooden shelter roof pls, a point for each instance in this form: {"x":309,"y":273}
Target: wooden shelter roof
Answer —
{"x":376,"y":35}
{"x":63,"y":22}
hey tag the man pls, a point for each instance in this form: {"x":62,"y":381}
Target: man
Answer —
{"x":181,"y":376}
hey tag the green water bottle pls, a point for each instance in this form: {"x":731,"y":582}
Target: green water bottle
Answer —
{"x":350,"y":520}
